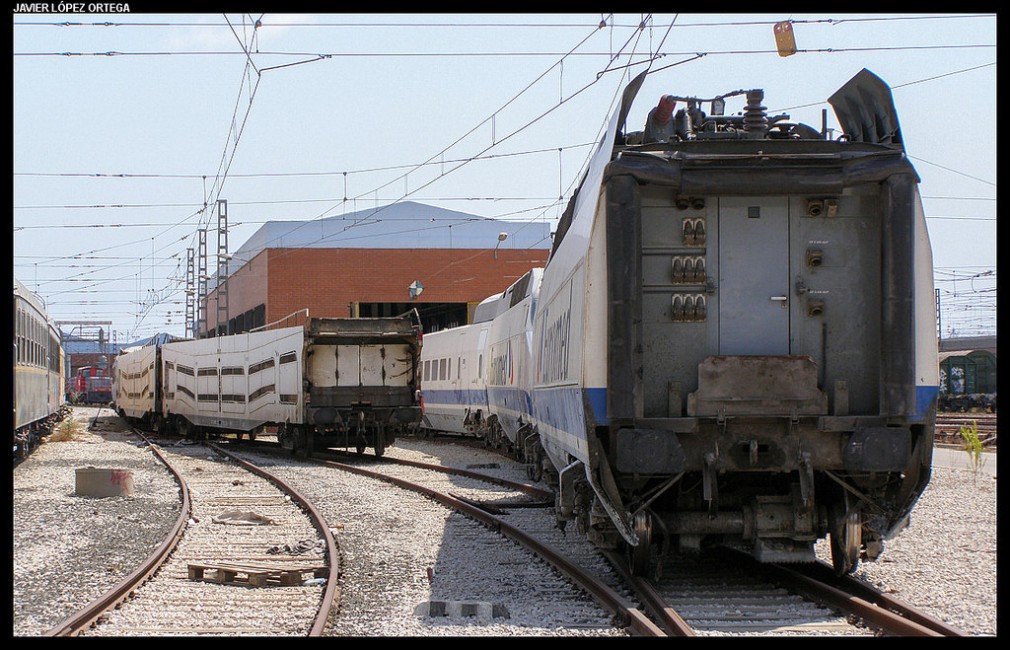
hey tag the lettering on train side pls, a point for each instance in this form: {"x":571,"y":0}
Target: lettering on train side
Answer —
{"x":553,"y":364}
{"x":501,"y":367}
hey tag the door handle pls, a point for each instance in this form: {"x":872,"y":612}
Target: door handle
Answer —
{"x":780,"y":298}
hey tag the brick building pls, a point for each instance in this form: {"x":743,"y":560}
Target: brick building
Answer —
{"x":376,"y":262}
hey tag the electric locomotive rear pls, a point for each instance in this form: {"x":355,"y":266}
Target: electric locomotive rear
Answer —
{"x":770,"y":375}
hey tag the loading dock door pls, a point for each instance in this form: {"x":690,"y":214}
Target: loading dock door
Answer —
{"x":753,"y":275}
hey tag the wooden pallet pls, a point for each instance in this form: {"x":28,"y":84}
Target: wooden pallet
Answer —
{"x":253,"y":575}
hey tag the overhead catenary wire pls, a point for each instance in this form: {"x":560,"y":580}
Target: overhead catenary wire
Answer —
{"x":496,"y":217}
{"x":524,"y":25}
{"x":502,"y":139}
{"x":317,"y":173}
{"x":462,"y":198}
{"x":496,"y":142}
{"x":427,"y":163}
{"x":416,"y":55}
{"x":484,"y":122}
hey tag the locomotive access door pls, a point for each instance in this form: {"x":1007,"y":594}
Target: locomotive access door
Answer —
{"x":754,"y":275}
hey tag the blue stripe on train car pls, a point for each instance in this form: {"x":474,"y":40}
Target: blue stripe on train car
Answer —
{"x":564,"y":407}
{"x":454,"y":397}
{"x":597,"y":399}
{"x":925,"y":396}
{"x":509,"y":397}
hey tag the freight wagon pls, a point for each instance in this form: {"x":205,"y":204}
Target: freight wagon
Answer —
{"x":347,"y":382}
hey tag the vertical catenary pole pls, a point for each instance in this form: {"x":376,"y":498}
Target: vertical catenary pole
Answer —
{"x":201,"y":281}
{"x":939,"y":328}
{"x":222,"y":267}
{"x":190,"y":296}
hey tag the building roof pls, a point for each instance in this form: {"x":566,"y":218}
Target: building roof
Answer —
{"x":406,"y":224}
{"x":957,"y":354}
{"x":77,"y":346}
{"x":967,"y":344}
{"x":158,"y":340}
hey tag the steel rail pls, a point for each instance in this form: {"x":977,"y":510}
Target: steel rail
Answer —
{"x":628,"y":614}
{"x":667,"y":616}
{"x":525,"y":488}
{"x":86,"y":617}
{"x":892,"y":622}
{"x":331,"y":593}
{"x":822,"y":572}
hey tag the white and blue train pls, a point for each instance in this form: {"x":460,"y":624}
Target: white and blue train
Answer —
{"x":476,"y":379}
{"x":733,"y":341}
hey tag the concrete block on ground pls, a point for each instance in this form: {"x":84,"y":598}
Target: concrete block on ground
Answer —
{"x":104,"y":482}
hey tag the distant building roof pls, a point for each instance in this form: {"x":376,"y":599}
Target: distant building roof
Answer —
{"x":406,"y":224}
{"x":158,"y":339}
{"x":957,"y":354}
{"x":77,"y":346}
{"x":968,"y":343}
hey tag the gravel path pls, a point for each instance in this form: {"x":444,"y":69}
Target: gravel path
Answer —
{"x":68,"y":550}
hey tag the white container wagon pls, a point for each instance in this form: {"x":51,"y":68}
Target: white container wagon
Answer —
{"x":331,"y":382}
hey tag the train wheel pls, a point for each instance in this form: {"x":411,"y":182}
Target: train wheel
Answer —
{"x":641,"y":555}
{"x":308,"y":441}
{"x":535,"y":465}
{"x":297,"y":439}
{"x":846,"y":539}
{"x":380,"y":443}
{"x":285,"y":437}
{"x":361,"y":442}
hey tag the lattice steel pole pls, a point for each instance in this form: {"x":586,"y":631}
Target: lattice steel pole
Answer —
{"x":201,"y":280}
{"x":190,"y":296}
{"x":222,"y":266}
{"x":939,"y":328}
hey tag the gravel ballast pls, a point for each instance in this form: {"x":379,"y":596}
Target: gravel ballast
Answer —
{"x":68,"y":549}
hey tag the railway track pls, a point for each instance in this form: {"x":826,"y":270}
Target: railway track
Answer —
{"x":552,"y":576}
{"x":218,"y":572}
{"x":948,"y":427}
{"x":723,"y":593}
{"x":715,"y":596}
{"x":165,"y":599}
{"x":867,"y":603}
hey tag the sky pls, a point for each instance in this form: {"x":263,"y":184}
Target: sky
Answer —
{"x":130,"y":127}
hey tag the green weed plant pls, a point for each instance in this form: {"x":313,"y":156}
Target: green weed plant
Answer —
{"x":67,"y":430}
{"x":973,"y":447}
